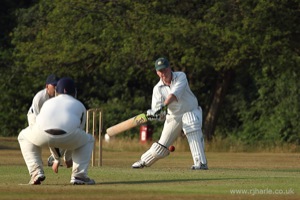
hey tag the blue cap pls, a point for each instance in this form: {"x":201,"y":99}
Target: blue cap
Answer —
{"x":52,"y":79}
{"x":66,"y":85}
{"x":161,"y":63}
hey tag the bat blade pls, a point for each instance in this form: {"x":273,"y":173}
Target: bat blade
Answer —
{"x":126,"y":125}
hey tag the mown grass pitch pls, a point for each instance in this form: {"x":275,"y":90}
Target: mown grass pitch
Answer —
{"x":230,"y":176}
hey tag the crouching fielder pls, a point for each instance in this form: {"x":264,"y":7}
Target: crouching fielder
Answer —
{"x":59,"y":125}
{"x":174,"y":102}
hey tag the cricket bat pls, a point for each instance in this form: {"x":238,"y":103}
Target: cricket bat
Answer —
{"x":126,"y":125}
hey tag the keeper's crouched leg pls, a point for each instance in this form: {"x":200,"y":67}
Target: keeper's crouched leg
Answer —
{"x":156,"y":152}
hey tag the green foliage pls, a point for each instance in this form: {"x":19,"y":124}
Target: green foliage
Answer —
{"x":109,"y":48}
{"x":264,"y":95}
{"x":16,"y":93}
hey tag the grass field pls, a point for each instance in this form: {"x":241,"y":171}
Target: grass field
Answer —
{"x":230,"y":176}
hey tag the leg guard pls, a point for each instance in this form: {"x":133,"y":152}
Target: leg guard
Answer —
{"x":156,"y":152}
{"x":192,"y":123}
{"x":196,"y":144}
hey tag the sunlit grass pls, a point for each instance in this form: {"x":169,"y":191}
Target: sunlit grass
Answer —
{"x":168,"y":178}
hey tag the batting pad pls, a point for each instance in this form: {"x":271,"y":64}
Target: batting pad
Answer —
{"x":156,"y":152}
{"x":196,"y":144}
{"x":192,"y":121}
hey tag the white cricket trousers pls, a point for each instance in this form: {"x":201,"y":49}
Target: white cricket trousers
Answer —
{"x":191,"y":124}
{"x":32,"y":139}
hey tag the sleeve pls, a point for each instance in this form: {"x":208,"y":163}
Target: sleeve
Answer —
{"x":157,"y":99}
{"x":83,"y":118}
{"x":56,"y":154}
{"x":35,"y":108}
{"x":37,"y":102}
{"x":180,"y":85}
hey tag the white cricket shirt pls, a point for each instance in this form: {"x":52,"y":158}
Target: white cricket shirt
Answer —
{"x":62,"y":112}
{"x":186,"y":100}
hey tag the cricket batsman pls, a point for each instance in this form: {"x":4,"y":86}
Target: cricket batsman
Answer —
{"x":174,"y":102}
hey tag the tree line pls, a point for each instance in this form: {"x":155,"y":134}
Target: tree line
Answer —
{"x":241,"y":59}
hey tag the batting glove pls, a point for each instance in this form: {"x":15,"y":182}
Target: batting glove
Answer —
{"x":151,"y":115}
{"x":161,"y":113}
{"x":162,"y":110}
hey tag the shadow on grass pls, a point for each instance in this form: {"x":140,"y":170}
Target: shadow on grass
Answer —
{"x":8,"y":143}
{"x":4,"y":147}
{"x":166,"y":181}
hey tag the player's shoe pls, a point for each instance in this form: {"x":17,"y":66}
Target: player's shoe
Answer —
{"x":82,"y":181}
{"x":138,"y":164}
{"x":201,"y":167}
{"x":36,"y":179}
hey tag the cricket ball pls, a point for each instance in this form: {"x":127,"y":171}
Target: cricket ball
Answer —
{"x":171,"y":148}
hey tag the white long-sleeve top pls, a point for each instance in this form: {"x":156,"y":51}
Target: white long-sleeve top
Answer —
{"x":38,"y":101}
{"x":186,"y":100}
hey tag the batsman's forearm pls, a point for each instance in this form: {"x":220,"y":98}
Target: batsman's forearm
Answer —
{"x":170,"y":99}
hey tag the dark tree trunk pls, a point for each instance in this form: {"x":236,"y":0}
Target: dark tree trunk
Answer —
{"x":216,"y":104}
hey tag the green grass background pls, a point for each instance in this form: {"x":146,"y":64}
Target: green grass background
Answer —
{"x":261,"y":175}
